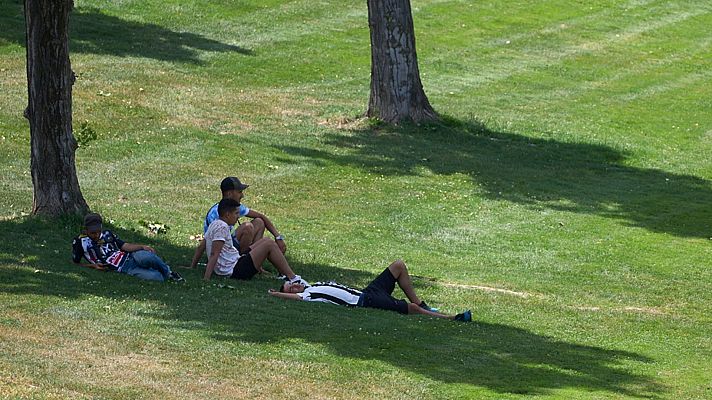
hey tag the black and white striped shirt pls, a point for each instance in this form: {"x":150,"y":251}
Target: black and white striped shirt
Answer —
{"x":331,"y":292}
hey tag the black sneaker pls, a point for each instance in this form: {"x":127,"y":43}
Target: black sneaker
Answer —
{"x":425,"y":306}
{"x":175,"y":277}
{"x":464,"y":317}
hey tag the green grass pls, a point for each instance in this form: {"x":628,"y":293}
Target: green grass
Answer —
{"x":565,"y":198}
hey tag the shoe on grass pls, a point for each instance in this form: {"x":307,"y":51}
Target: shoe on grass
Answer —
{"x":425,"y":306}
{"x":464,"y":317}
{"x":175,"y":277}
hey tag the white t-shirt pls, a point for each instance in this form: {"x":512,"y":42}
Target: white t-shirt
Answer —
{"x":220,"y":231}
{"x":331,"y":292}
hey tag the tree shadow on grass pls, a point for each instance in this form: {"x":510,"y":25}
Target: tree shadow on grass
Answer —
{"x":92,"y":31}
{"x":501,"y":358}
{"x":541,"y":173}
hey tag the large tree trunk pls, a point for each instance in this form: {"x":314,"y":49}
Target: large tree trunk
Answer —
{"x":396,"y":91}
{"x":49,"y":109}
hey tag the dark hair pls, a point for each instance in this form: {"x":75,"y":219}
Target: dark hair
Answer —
{"x":281,"y":287}
{"x":227,"y":205}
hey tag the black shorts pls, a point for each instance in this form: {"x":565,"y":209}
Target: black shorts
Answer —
{"x":245,"y":268}
{"x":378,"y":294}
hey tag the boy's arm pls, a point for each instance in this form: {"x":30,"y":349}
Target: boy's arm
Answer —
{"x":100,"y":267}
{"x":270,"y":227}
{"x":78,"y":252}
{"x":198,"y":253}
{"x":286,"y":296}
{"x":213,"y":258}
{"x":131,"y":247}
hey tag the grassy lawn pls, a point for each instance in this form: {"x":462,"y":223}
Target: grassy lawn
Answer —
{"x":566,"y":198}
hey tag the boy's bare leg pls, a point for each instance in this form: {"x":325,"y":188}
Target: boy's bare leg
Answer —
{"x":259,"y":228}
{"x":266,"y":249}
{"x":244,"y":234}
{"x":249,"y":233}
{"x":416,"y":309}
{"x":400,"y":272}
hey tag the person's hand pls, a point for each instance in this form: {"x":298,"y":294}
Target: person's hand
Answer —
{"x":148,"y":248}
{"x":270,"y":291}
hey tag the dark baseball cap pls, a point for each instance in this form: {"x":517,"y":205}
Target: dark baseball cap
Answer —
{"x":92,"y":221}
{"x":232,"y":183}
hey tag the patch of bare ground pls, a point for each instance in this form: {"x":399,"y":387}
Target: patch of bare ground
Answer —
{"x":79,"y":365}
{"x":290,"y":112}
{"x":628,"y":309}
{"x":345,"y":123}
{"x":493,"y":290}
{"x":490,"y":289}
{"x":483,"y":288}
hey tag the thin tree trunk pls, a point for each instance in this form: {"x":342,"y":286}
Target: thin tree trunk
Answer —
{"x":396,"y":90}
{"x":49,"y":109}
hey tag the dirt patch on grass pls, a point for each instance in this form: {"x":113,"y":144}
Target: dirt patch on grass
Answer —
{"x":15,"y":386}
{"x":629,"y":309}
{"x":344,"y":123}
{"x":524,"y":295}
{"x":483,"y":288}
{"x":645,"y":310}
{"x":493,"y":290}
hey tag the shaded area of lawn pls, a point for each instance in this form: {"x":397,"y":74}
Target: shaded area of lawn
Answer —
{"x":92,"y":31}
{"x":542,"y":173}
{"x":502,"y":358}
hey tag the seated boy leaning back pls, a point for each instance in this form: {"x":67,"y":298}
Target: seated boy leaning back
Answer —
{"x":105,"y":251}
{"x":225,"y":260}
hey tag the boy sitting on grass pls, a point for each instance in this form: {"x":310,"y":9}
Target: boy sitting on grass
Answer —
{"x":245,"y":234}
{"x":105,"y":251}
{"x":378,"y":294}
{"x":225,"y":260}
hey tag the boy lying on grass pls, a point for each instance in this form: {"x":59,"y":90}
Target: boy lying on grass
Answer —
{"x":225,"y":260}
{"x":105,"y":251}
{"x":378,"y":294}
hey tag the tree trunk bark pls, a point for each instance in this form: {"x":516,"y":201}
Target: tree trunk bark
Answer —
{"x":49,"y":109}
{"x":396,"y":90}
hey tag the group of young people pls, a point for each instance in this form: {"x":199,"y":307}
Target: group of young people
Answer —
{"x":238,"y":250}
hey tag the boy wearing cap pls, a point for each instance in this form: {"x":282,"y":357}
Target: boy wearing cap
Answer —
{"x":225,"y":260}
{"x":378,"y":294}
{"x":246,"y":233}
{"x":105,"y":251}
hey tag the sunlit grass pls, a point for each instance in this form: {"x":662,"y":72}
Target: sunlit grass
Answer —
{"x":564,"y":198}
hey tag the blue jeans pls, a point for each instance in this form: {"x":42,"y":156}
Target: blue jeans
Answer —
{"x":146,"y":265}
